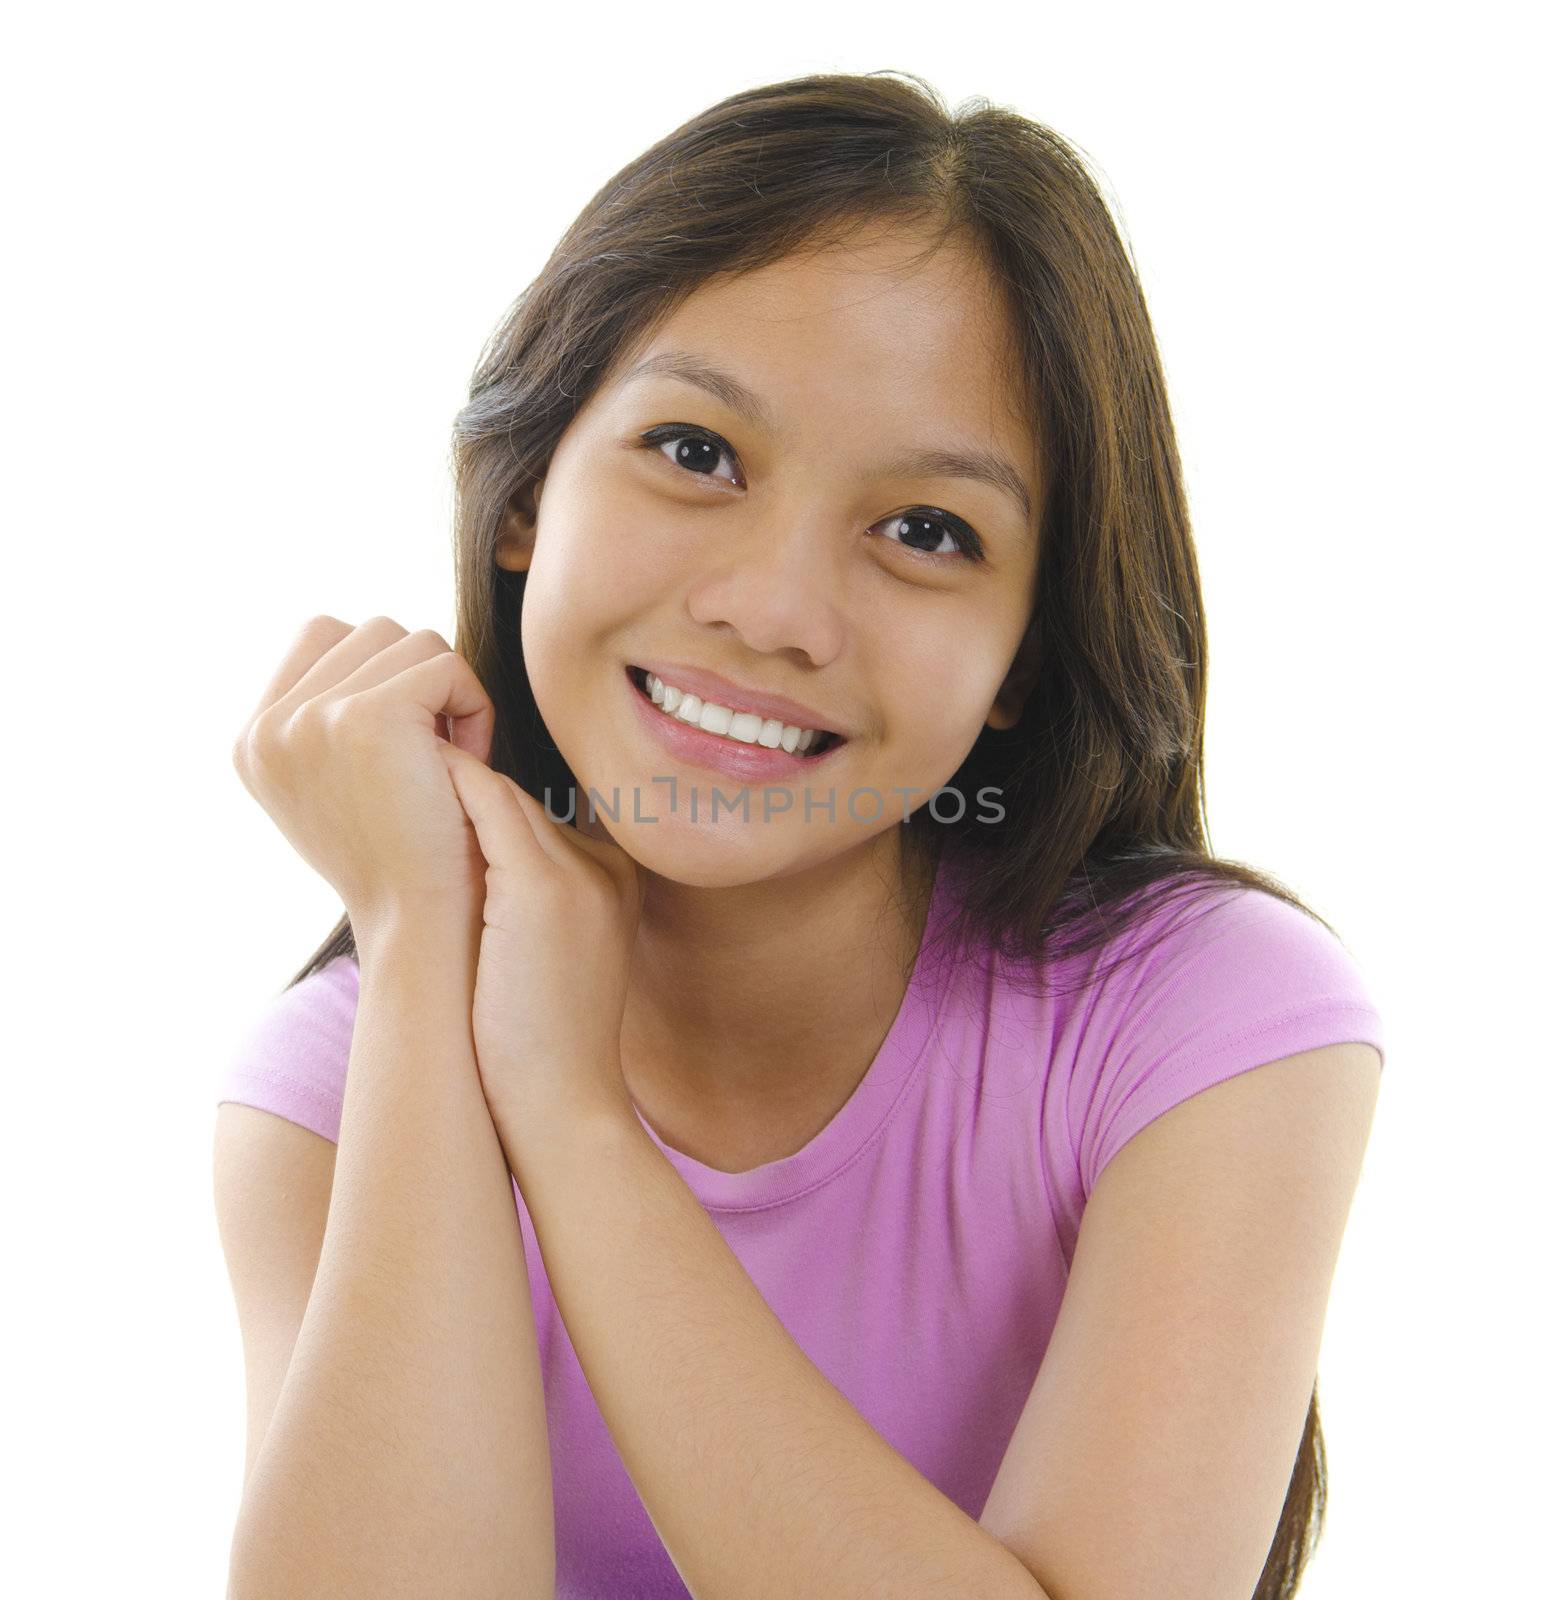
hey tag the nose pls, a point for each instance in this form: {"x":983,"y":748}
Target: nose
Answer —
{"x":778,"y":590}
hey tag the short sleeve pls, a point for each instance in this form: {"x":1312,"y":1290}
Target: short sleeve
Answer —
{"x":292,"y":1059}
{"x":1247,"y":980}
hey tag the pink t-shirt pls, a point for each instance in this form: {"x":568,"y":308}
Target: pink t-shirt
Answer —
{"x":917,"y":1247}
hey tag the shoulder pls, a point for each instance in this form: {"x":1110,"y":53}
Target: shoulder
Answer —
{"x":1241,"y":952}
{"x":1212,"y":984}
{"x":319,"y":1008}
{"x":291,"y":1057}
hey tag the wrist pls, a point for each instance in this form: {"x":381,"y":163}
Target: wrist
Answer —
{"x":572,"y":1127}
{"x":401,"y":923}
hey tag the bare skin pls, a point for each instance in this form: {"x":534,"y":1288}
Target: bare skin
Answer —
{"x":772,"y":955}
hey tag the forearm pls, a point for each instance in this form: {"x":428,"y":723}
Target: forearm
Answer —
{"x":760,"y":1476}
{"x":408,"y":1449}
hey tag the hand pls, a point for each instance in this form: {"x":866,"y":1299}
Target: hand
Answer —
{"x":342,"y":754}
{"x":560,"y":914}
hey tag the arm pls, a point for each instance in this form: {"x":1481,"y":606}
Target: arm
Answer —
{"x":1156,"y":1447}
{"x":1154,"y":1451}
{"x":407,"y":1452}
{"x":759,"y":1475}
{"x":272,"y":1182}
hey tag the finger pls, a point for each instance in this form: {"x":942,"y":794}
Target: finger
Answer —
{"x":563,"y":845}
{"x":503,"y":830}
{"x":442,"y":685}
{"x":553,"y":837}
{"x":313,"y":640}
{"x":474,"y":733}
{"x":546,"y":833}
{"x":605,"y":851}
{"x":389,"y":660}
{"x":338,"y":660}
{"x":570,"y":843}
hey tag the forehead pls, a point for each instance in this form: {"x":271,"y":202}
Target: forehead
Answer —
{"x":880,"y":332}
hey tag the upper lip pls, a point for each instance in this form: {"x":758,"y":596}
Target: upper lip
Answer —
{"x":725,"y":692}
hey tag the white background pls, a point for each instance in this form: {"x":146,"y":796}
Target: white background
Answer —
{"x":254,"y":254}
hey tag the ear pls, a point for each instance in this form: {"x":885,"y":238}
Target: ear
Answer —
{"x":515,"y":542}
{"x":1024,"y":672}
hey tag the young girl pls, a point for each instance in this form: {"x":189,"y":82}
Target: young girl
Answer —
{"x":782,"y":938}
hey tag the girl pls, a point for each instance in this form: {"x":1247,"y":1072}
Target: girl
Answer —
{"x":794,"y":1106}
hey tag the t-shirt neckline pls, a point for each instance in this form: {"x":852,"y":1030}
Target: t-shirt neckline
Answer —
{"x":866,"y":1110}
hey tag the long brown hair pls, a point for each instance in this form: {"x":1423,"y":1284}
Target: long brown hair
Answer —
{"x":1101,"y":777}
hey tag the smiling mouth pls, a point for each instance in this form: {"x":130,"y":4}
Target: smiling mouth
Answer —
{"x":822,"y":742}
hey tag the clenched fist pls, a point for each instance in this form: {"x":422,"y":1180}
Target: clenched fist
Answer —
{"x":343,"y":753}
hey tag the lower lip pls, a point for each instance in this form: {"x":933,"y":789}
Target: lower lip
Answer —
{"x":749,"y":763}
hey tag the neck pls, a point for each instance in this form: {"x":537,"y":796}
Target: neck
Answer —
{"x":768,"y":998}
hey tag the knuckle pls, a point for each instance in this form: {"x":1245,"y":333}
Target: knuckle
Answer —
{"x":323,"y":626}
{"x":313,"y":720}
{"x":258,"y":734}
{"x":259,"y":751}
{"x":431,"y":637}
{"x":340,"y":716}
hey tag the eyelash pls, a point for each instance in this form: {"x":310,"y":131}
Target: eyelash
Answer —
{"x":967,"y":540}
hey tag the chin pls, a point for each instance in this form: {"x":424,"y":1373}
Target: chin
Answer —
{"x":727,"y":856}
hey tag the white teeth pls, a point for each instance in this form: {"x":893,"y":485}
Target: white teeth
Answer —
{"x":744,"y":726}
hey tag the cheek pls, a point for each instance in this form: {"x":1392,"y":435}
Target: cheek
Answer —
{"x":586,"y":574}
{"x":942,"y":691}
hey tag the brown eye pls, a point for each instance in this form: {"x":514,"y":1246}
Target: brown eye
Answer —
{"x":700,"y":452}
{"x":929,"y":528}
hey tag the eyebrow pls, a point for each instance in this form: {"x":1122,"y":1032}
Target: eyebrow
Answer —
{"x":982,"y":466}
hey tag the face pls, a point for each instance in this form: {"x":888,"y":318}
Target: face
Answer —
{"x":773,"y":504}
